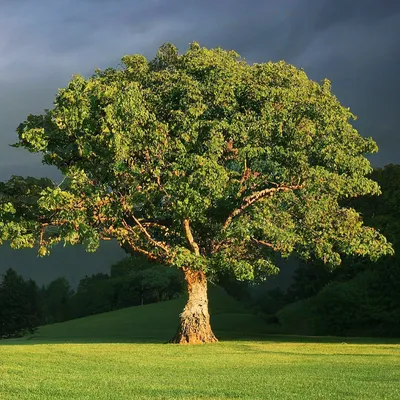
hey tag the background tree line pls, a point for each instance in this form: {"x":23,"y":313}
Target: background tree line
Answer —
{"x":360,"y":298}
{"x":132,"y":281}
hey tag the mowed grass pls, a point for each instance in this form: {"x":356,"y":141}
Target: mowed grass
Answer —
{"x":121,"y":355}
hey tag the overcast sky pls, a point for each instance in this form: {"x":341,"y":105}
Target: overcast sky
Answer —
{"x":354,"y":43}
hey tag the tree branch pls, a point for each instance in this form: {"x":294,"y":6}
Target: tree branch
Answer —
{"x":245,"y":176}
{"x":154,"y":242}
{"x":189,"y":237}
{"x":262,"y":242}
{"x":248,"y":201}
{"x":217,"y":246}
{"x":148,"y":236}
{"x":148,"y":254}
{"x":144,"y":231}
{"x":154,"y":224}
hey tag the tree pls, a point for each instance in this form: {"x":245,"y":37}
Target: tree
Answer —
{"x":57,"y":298}
{"x":19,"y":305}
{"x":383,"y":212}
{"x":129,"y":266}
{"x":34,"y":303}
{"x":199,"y":161}
{"x":95,"y":295}
{"x":164,"y":282}
{"x":87,"y":281}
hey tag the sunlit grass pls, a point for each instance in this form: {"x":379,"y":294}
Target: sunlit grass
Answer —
{"x":229,"y":370}
{"x":121,"y":355}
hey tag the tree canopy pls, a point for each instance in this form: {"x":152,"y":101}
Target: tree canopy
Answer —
{"x":200,"y":161}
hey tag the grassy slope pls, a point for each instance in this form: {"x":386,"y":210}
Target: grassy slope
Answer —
{"x":47,"y":367}
{"x":155,"y":322}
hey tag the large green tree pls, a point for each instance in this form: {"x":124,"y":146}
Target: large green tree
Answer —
{"x":200,"y":161}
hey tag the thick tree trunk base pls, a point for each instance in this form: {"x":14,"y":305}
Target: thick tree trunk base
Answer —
{"x":195,"y":325}
{"x":189,"y":335}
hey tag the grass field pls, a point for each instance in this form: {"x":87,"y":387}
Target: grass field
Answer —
{"x":121,"y":355}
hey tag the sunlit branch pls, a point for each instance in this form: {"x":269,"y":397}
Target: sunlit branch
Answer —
{"x":148,"y":236}
{"x":262,"y":242}
{"x":189,"y":237}
{"x":248,"y":201}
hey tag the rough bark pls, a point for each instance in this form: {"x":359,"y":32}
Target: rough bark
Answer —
{"x":195,"y":320}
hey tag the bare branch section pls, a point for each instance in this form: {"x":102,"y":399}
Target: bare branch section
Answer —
{"x":142,"y":228}
{"x":148,"y":236}
{"x":150,"y":256}
{"x":189,"y":237}
{"x":248,"y":201}
{"x":245,"y":176}
{"x":264,"y":243}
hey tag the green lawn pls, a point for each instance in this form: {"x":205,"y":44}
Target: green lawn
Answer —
{"x":121,"y":355}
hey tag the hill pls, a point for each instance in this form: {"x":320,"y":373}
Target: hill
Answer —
{"x":155,"y":322}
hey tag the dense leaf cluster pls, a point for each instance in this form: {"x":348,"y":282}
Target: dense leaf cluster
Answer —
{"x":199,"y":160}
{"x":360,"y":298}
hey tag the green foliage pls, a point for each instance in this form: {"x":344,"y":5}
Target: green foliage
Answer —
{"x":151,"y":282}
{"x":341,"y":307}
{"x":93,"y":296}
{"x":298,"y":318}
{"x":367,"y":305}
{"x":20,"y":308}
{"x":310,"y":278}
{"x":251,"y":159}
{"x":383,"y":212}
{"x":133,"y":281}
{"x":87,"y":281}
{"x":358,"y":298}
{"x":269,"y":303}
{"x":57,"y":301}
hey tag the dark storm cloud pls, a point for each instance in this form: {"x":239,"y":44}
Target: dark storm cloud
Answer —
{"x":353,"y":43}
{"x":343,"y":11}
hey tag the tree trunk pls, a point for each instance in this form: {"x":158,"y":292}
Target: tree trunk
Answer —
{"x":195,"y":320}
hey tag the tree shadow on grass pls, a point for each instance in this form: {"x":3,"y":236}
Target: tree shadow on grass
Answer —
{"x":95,"y":338}
{"x":285,"y":338}
{"x":33,"y":341}
{"x":224,"y":337}
{"x":159,"y":323}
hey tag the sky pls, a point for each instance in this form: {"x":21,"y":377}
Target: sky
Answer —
{"x":354,"y":43}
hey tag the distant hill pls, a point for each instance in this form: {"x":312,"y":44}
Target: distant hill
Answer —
{"x":155,"y":322}
{"x":71,"y":262}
